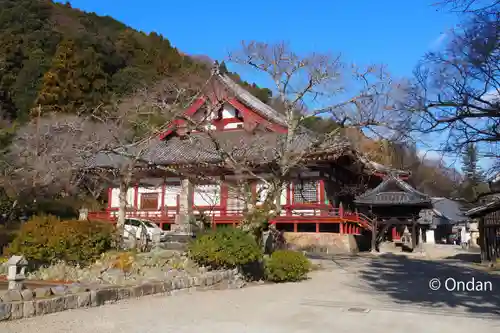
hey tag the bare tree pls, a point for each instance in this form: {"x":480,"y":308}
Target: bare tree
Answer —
{"x":45,"y":154}
{"x":135,"y":125}
{"x":471,"y":6}
{"x":317,"y":85}
{"x":457,"y":95}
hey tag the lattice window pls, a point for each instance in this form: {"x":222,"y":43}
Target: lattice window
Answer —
{"x":149,"y":201}
{"x":305,"y":192}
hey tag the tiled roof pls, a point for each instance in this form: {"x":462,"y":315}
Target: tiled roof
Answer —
{"x":214,"y":147}
{"x":394,"y":191}
{"x":492,"y":205}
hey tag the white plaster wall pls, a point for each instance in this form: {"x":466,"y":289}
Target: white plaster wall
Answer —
{"x":206,"y":195}
{"x":149,"y":190}
{"x":233,"y":125}
{"x":305,"y":212}
{"x":171,"y":192}
{"x":228,"y":111}
{"x":430,"y":236}
{"x":283,"y":194}
{"x":115,"y":197}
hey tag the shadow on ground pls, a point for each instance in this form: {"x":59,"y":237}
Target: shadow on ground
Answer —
{"x":407,"y":280}
{"x":466,"y":257}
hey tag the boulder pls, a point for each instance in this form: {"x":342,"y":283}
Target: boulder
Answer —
{"x":43,"y":292}
{"x":27,"y":294}
{"x":12,"y":296}
{"x":59,"y":290}
{"x":5,"y":311}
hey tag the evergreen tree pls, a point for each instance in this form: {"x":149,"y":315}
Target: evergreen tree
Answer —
{"x":60,"y":89}
{"x":473,"y":174}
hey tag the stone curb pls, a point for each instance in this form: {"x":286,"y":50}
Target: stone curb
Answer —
{"x":93,"y":298}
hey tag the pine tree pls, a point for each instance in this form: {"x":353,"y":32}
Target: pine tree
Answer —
{"x":474,"y":176}
{"x":60,"y":90}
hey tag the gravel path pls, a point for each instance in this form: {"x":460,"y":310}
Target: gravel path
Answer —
{"x":319,"y":305}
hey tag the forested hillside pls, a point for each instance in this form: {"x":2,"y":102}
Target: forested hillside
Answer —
{"x":66,"y":60}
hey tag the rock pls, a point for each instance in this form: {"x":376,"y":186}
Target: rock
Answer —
{"x":28,"y":309}
{"x":113,"y":276}
{"x":70,"y":301}
{"x":12,"y":296}
{"x":76,"y":288}
{"x":147,"y":289}
{"x":27,"y":294}
{"x":5,"y":311}
{"x":104,"y":296}
{"x":209,"y":279}
{"x":83,"y":299}
{"x":50,"y":305}
{"x":158,"y":288}
{"x":167,"y":286}
{"x":123,"y":293}
{"x":16,"y":311}
{"x":135,"y":291}
{"x":237,"y":283}
{"x":43,"y":292}
{"x":59,"y":290}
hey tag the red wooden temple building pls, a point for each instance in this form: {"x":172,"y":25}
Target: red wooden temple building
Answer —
{"x":318,"y":195}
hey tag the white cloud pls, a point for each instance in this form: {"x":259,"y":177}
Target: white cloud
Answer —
{"x":491,"y":96}
{"x":439,"y":40}
{"x":430,"y":155}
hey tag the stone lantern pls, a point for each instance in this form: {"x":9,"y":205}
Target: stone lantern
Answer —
{"x":16,"y":273}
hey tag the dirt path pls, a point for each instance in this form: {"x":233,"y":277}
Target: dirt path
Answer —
{"x":350,"y":295}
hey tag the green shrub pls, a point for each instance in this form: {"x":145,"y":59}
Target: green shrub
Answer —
{"x":7,"y":235}
{"x":46,"y":239}
{"x":287,"y":266}
{"x":226,"y":247}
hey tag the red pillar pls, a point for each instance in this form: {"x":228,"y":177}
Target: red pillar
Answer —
{"x":110,"y":197}
{"x":136,"y":196}
{"x":253,"y":188}
{"x":341,"y":227}
{"x":321,"y":188}
{"x":288,"y":199}
{"x":162,"y":200}
{"x":224,"y":195}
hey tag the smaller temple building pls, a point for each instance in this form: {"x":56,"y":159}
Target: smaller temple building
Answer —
{"x":394,"y":207}
{"x":488,"y":218}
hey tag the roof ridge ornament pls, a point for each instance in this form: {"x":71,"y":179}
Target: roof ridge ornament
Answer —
{"x":216,"y":68}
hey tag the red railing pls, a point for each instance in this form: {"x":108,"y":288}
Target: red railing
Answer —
{"x":317,"y":214}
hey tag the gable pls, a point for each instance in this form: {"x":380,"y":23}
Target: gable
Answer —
{"x":225,"y":105}
{"x":394,"y":191}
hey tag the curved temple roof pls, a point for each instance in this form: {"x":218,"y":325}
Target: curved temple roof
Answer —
{"x":394,"y":191}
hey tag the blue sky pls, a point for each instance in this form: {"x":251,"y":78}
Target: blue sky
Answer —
{"x":392,"y":32}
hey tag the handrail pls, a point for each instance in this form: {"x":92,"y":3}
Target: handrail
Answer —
{"x":232,"y":216}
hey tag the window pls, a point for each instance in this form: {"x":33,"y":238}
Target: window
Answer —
{"x":305,"y":192}
{"x":235,"y":198}
{"x":149,"y":224}
{"x":132,"y":222}
{"x":149,"y":201}
{"x":206,"y":195}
